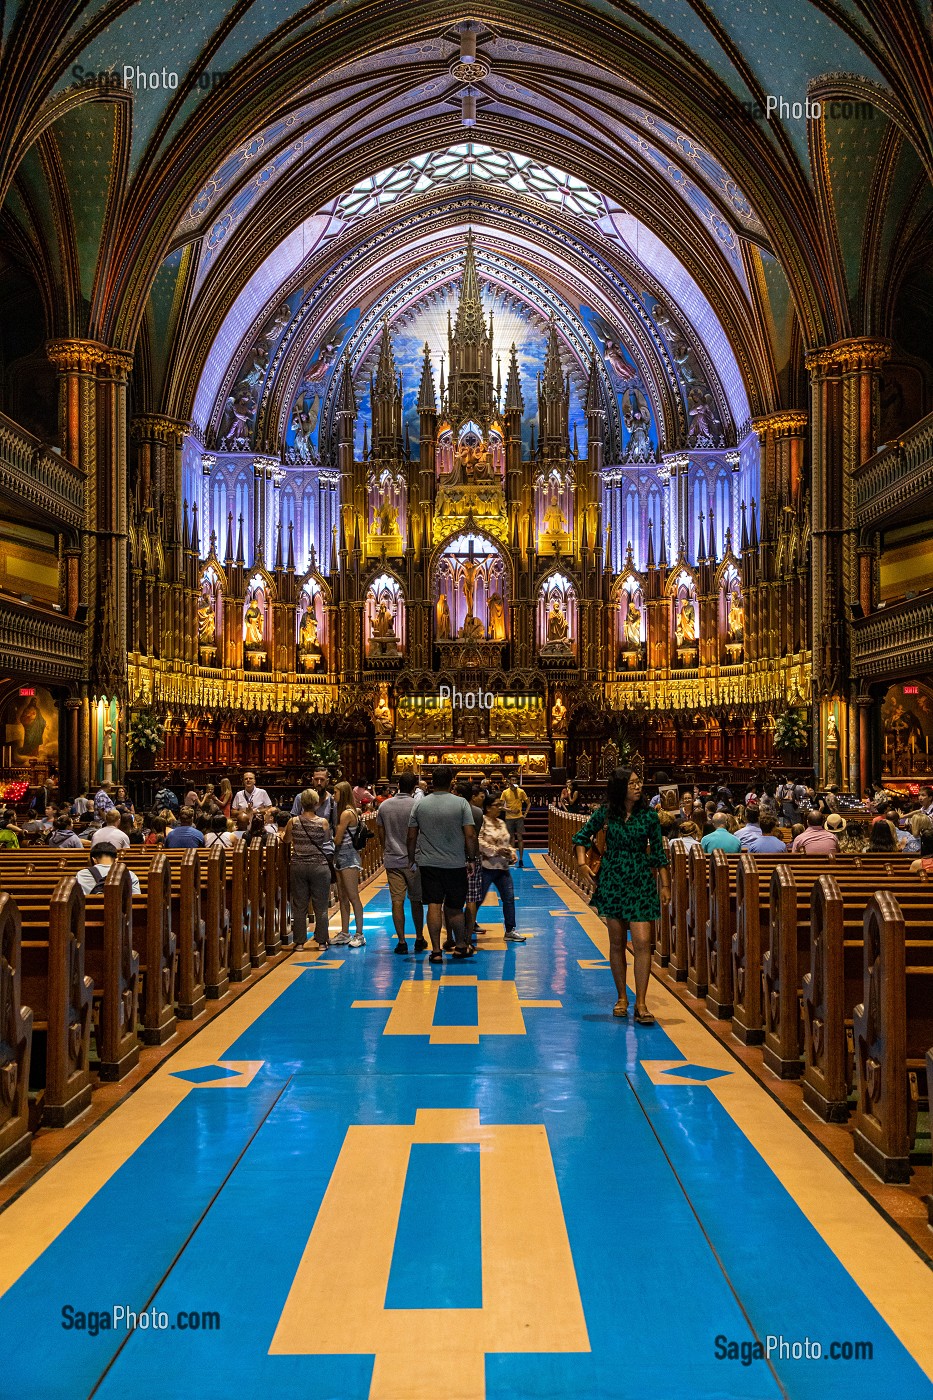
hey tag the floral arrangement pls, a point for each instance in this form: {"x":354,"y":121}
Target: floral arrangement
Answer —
{"x":146,"y":732}
{"x":323,"y":753}
{"x":14,"y":792}
{"x":791,"y":730}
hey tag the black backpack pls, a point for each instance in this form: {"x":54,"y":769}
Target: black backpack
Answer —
{"x":360,"y":836}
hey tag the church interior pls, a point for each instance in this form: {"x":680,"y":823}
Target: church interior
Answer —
{"x":537,"y":391}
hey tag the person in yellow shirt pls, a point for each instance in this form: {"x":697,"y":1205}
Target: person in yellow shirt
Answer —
{"x":516,"y":804}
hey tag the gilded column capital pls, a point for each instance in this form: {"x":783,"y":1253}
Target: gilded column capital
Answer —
{"x":88,"y":356}
{"x":859,"y":352}
{"x":160,"y":427}
{"x":784,"y":422}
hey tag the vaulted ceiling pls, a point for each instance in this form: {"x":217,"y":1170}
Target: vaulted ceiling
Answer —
{"x":616,"y":145}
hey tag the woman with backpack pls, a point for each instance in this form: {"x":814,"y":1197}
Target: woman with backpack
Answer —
{"x":310,"y":870}
{"x":349,"y":840}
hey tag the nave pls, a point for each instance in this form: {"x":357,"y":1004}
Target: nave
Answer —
{"x":371,"y":1177}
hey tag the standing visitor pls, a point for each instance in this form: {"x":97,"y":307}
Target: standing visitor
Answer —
{"x":497,"y":855}
{"x":625,"y":891}
{"x":348,"y":863}
{"x":251,"y":798}
{"x":516,"y":805}
{"x":441,"y":839}
{"x":311,"y":870}
{"x":402,"y":875}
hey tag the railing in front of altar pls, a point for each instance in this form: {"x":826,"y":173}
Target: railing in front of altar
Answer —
{"x":561,"y":827}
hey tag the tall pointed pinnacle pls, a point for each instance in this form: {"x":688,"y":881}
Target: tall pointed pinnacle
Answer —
{"x":594,"y":390}
{"x":385,"y":382}
{"x":513,"y":385}
{"x":195,"y":538}
{"x":470,"y":323}
{"x":650,"y":544}
{"x":744,"y":536}
{"x":553,"y":371}
{"x":185,"y":541}
{"x":366,"y":441}
{"x":701,"y":541}
{"x":427,"y":399}
{"x":279,"y":563}
{"x":333,"y":549}
{"x":240,"y":556}
{"x":346,"y":398}
{"x":228,"y":551}
{"x":290,"y":560}
{"x":754,"y":529}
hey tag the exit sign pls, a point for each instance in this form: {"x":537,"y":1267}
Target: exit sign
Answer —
{"x":27,"y":692}
{"x":908,"y":690}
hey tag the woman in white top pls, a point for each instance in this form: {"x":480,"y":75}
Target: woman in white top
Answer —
{"x":348,"y":864}
{"x":496,"y":853}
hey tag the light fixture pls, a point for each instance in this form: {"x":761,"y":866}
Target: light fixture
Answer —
{"x":468,"y":107}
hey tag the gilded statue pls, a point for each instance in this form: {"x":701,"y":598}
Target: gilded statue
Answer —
{"x":555,"y":521}
{"x":307,"y":633}
{"x":385,"y":519}
{"x":470,"y":571}
{"x":496,"y":610}
{"x":383,"y":624}
{"x":557,"y":630}
{"x":443,"y":618}
{"x":686,"y":630}
{"x":558,"y":713}
{"x":382,"y":713}
{"x":253,"y":624}
{"x":736,"y":621}
{"x":633,"y":626}
{"x":207,"y":620}
{"x":472,"y":629}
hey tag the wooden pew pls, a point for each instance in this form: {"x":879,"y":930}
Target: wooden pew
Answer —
{"x":109,"y":960}
{"x":15,"y":1043}
{"x":61,"y":998}
{"x":209,"y":907}
{"x":255,"y":902}
{"x":153,"y":936}
{"x":720,"y":929}
{"x":680,"y":898}
{"x":832,"y":985}
{"x":661,"y":952}
{"x":697,"y":921}
{"x":239,"y":964}
{"x":892,"y":1031}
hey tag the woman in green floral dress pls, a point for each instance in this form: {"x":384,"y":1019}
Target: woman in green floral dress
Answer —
{"x":625,"y":892}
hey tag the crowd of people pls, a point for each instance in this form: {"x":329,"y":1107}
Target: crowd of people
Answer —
{"x":778,"y":815}
{"x":442,"y":859}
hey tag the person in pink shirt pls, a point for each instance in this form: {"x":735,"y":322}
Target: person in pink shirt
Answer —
{"x":816,"y":840}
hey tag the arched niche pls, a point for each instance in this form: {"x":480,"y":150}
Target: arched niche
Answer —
{"x":556,"y":617}
{"x":257,"y":622}
{"x":470,"y":591}
{"x":210,"y":616}
{"x":312,"y":623}
{"x":384,"y":617}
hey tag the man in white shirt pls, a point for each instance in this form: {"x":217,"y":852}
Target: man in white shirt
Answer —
{"x":91,"y":879}
{"x":110,"y":834}
{"x":251,"y":798}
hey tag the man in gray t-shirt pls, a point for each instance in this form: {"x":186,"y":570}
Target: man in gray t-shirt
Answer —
{"x":402,"y":875}
{"x":441,"y":838}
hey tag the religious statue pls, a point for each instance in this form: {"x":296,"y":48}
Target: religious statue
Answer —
{"x":385,"y":519}
{"x":686,"y":630}
{"x":496,"y":610}
{"x":472,"y":629}
{"x":443,"y":618}
{"x":558,"y":713}
{"x":554,"y":519}
{"x":382,"y":713}
{"x":736,"y":621}
{"x":307,"y":633}
{"x":832,"y":751}
{"x":253,"y":624}
{"x":557,"y":630}
{"x":207,"y":621}
{"x":632,"y":626}
{"x":470,"y":571}
{"x":383,"y":624}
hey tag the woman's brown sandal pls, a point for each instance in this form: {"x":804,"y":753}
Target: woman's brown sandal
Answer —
{"x":643,"y":1017}
{"x":621,"y":1007}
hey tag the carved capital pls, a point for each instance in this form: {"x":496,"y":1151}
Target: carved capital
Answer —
{"x":785,"y":423}
{"x":159,"y":427}
{"x":88,"y":357}
{"x":858,"y":353}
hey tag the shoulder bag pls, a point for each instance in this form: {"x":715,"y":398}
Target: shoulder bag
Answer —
{"x":595,"y":852}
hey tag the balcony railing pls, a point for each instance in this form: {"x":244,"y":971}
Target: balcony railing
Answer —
{"x":39,"y":478}
{"x":40,"y":643}
{"x":895,"y":481}
{"x":897,"y":639}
